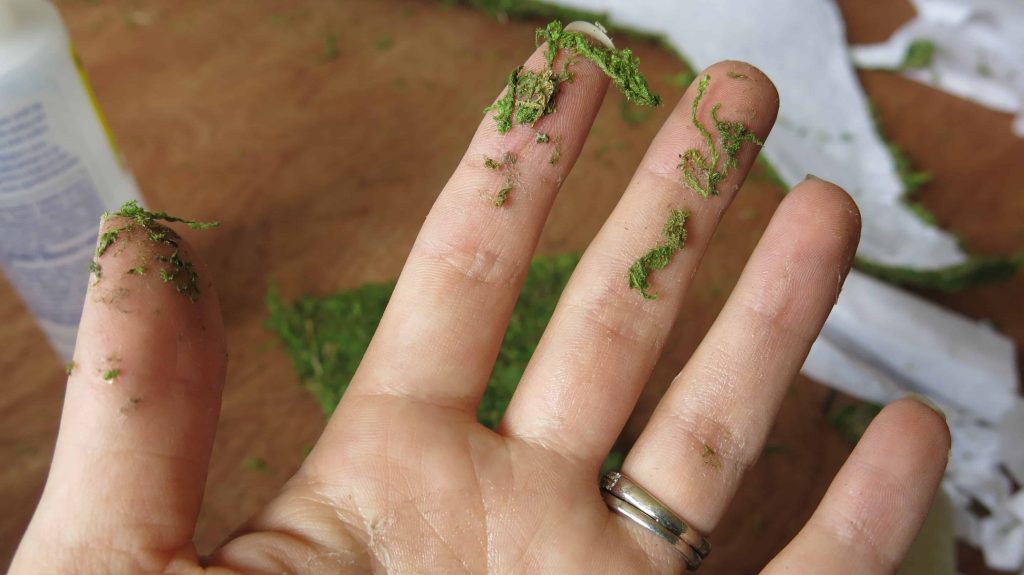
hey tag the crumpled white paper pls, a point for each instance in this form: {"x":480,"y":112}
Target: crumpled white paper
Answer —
{"x":880,"y":342}
{"x":979,"y":51}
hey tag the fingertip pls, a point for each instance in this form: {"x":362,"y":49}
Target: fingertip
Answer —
{"x":825,"y":211}
{"x":753,"y":90}
{"x":918,"y":430}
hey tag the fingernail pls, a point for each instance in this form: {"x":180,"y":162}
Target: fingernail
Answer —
{"x":926,"y":401}
{"x":594,"y":30}
{"x":812,"y":177}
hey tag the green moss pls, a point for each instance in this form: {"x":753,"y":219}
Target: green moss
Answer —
{"x":919,"y":54}
{"x":531,"y":95}
{"x":542,"y":138}
{"x":502,"y":195}
{"x":106,"y":240}
{"x":70,"y":367}
{"x":326,"y":337}
{"x":701,"y":172}
{"x":94,"y":268}
{"x":181,"y":273}
{"x":506,"y":166}
{"x":111,"y":374}
{"x":673,"y":239}
{"x":178,"y":271}
{"x":976,"y":270}
{"x":556,"y":154}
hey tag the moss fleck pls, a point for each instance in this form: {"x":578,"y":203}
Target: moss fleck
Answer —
{"x":330,"y":52}
{"x":111,"y":374}
{"x":95,"y":269}
{"x":919,"y":54}
{"x":502,"y":197}
{"x":137,"y":271}
{"x":542,"y":138}
{"x":710,"y":457}
{"x":505,"y":166}
{"x":256,"y":464}
{"x":70,"y":367}
{"x":701,"y":173}
{"x":131,"y":405}
{"x":736,"y":75}
{"x":673,"y":239}
{"x":556,"y":154}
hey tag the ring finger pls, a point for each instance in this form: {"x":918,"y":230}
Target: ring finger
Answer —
{"x":712,"y":423}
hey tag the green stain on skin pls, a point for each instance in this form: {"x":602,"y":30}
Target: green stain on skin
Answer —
{"x":673,"y":240}
{"x":703,"y":171}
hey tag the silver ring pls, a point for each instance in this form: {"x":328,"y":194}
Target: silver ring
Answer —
{"x":622,"y":487}
{"x":689,"y":554}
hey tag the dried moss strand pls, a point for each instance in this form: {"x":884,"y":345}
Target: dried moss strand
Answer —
{"x":701,"y":172}
{"x":673,"y":240}
{"x":529,"y":95}
{"x":619,"y":65}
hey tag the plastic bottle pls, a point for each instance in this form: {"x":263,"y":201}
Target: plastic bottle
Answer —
{"x":59,"y":169}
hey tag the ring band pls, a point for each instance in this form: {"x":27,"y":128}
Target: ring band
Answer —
{"x":689,"y":554}
{"x":622,"y":487}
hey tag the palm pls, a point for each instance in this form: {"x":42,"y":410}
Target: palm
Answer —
{"x":404,"y":480}
{"x":430,"y":492}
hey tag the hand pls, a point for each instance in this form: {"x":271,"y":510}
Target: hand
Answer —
{"x":404,"y":479}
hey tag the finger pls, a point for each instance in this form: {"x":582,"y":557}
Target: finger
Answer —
{"x":712,"y":422}
{"x":604,"y":337}
{"x":140,"y":411}
{"x":440,"y":335}
{"x":876,"y":505}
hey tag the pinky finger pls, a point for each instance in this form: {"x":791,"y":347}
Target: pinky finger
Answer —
{"x":878,"y":501}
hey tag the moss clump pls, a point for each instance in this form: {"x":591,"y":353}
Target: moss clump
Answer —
{"x":701,"y":172}
{"x":542,"y":138}
{"x":111,"y":374}
{"x":531,"y":95}
{"x":176,"y":269}
{"x":673,"y":239}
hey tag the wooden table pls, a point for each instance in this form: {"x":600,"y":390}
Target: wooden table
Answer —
{"x":321,"y":164}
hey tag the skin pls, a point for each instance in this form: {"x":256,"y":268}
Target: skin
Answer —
{"x":404,"y":480}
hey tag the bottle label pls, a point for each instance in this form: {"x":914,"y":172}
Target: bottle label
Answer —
{"x":49,"y":210}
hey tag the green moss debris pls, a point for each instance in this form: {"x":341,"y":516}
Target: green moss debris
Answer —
{"x":173,"y":268}
{"x":704,"y":170}
{"x":326,"y":337}
{"x":673,"y":239}
{"x":531,"y":95}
